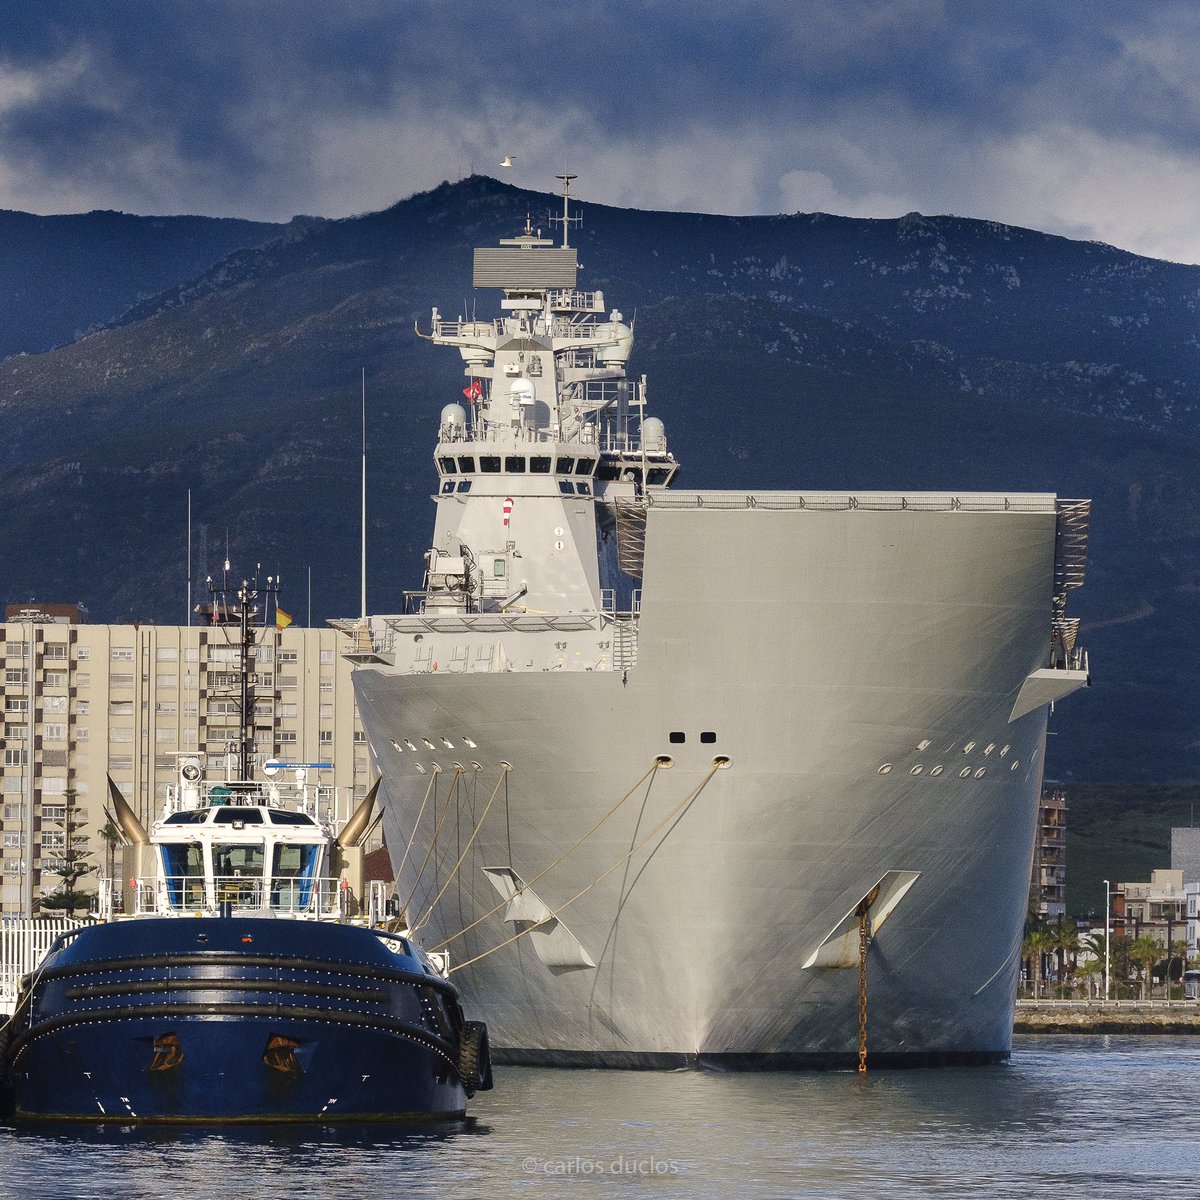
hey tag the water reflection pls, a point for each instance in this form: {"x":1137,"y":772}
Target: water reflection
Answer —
{"x":1086,"y":1116}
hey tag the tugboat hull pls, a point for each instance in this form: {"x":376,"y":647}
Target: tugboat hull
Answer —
{"x":237,"y":1020}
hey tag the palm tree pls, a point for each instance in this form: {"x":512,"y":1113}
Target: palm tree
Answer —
{"x":1065,"y":935}
{"x":1144,"y":952}
{"x":1038,"y":943}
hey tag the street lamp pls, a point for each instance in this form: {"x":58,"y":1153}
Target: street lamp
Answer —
{"x":1107,"y":923}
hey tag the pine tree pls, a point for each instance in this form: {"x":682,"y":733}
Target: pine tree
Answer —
{"x":73,"y":864}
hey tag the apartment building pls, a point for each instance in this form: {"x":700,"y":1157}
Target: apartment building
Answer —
{"x":82,"y":702}
{"x":1049,"y":882}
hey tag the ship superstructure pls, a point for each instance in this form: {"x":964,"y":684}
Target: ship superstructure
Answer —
{"x":623,"y":727}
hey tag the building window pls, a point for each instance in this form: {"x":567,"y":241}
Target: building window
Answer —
{"x":326,"y":737}
{"x":83,"y":653}
{"x":54,"y":786}
{"x":120,"y":681}
{"x":286,"y":737}
{"x":56,"y":679}
{"x":120,"y":708}
{"x":167,"y":654}
{"x":83,"y":679}
{"x":16,"y":675}
{"x":54,"y":733}
{"x":54,"y":812}
{"x":14,"y":841}
{"x":15,"y":731}
{"x":16,"y":704}
{"x":15,"y":757}
{"x":166,"y":707}
{"x":326,"y":712}
{"x":164,"y":734}
{"x":122,"y":733}
{"x":12,"y":812}
{"x":288,"y":656}
{"x":326,"y":657}
{"x":122,"y":654}
{"x":288,"y":710}
{"x":55,"y":650}
{"x":167,"y":681}
{"x":55,"y":704}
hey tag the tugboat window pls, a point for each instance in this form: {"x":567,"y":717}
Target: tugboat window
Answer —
{"x":293,"y":870}
{"x":466,"y":464}
{"x":539,"y":466}
{"x":657,"y":476}
{"x":490,"y":464}
{"x":564,"y":466}
{"x":447,"y":465}
{"x":584,"y":466}
{"x":583,"y":489}
{"x":183,"y":865}
{"x":464,"y":485}
{"x":238,"y":872}
{"x":564,"y":486}
{"x":447,"y":487}
{"x":514,"y":464}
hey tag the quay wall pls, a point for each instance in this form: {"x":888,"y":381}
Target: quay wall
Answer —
{"x":1112,"y":1016}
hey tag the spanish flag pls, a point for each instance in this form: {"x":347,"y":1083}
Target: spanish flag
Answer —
{"x":282,"y":619}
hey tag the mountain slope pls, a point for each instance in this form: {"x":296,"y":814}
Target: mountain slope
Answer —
{"x":805,"y":351}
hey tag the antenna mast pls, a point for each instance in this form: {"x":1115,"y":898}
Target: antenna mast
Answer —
{"x":566,"y":218}
{"x":364,"y":500}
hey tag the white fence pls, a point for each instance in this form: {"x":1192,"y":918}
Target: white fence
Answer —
{"x":23,"y":944}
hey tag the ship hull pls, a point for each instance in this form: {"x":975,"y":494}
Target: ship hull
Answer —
{"x":835,"y":716}
{"x":235,"y":1020}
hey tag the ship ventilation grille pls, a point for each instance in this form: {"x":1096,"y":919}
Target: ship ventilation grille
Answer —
{"x":631,"y":536}
{"x":1070,"y":548}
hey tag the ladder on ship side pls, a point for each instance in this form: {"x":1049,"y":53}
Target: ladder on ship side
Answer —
{"x":624,"y":643}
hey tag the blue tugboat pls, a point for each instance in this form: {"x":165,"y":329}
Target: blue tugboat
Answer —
{"x":245,"y":981}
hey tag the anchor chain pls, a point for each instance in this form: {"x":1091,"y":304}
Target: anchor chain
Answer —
{"x":864,"y":941}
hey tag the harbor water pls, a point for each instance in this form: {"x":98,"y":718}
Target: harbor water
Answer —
{"x":1084,"y":1116}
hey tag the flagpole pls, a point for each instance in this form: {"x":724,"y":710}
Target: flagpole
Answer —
{"x":364,"y":497}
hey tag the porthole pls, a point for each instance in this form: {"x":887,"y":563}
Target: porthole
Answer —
{"x":917,"y":769}
{"x":968,"y":747}
{"x":664,"y":760}
{"x":722,"y":761}
{"x":965,"y":773}
{"x":923,"y":744}
{"x":1004,"y":750}
{"x":886,"y":769}
{"x":937,"y":770}
{"x":708,"y":737}
{"x":429,"y":744}
{"x":397,"y":747}
{"x":677,"y":737}
{"x":420,"y":769}
{"x":981,"y":773}
{"x":988,"y":749}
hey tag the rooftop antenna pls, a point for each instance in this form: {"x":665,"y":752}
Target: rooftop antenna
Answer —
{"x":566,"y":218}
{"x":189,"y":556}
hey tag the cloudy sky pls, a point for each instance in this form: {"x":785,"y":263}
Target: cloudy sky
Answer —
{"x":1072,"y":116}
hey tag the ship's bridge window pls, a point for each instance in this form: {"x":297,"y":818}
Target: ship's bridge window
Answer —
{"x":499,"y":568}
{"x":565,"y":486}
{"x":183,"y":818}
{"x":293,"y":873}
{"x":446,"y":465}
{"x":248,"y":816}
{"x":583,"y":489}
{"x":466,"y":463}
{"x":564,"y":466}
{"x":283,"y":816}
{"x":609,"y":469}
{"x":447,"y":487}
{"x":238,"y":872}
{"x":657,"y":476}
{"x":490,"y":464}
{"x":585,"y":466}
{"x":514,"y":464}
{"x":183,"y":866}
{"x":539,"y":466}
{"x":464,"y":485}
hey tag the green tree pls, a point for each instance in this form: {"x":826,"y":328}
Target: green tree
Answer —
{"x":73,"y":864}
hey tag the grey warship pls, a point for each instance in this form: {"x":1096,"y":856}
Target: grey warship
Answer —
{"x":683,"y":777}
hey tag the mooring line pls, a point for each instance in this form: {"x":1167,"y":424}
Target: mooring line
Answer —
{"x":599,"y":878}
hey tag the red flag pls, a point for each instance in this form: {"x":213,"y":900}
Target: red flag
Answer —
{"x":474,"y":391}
